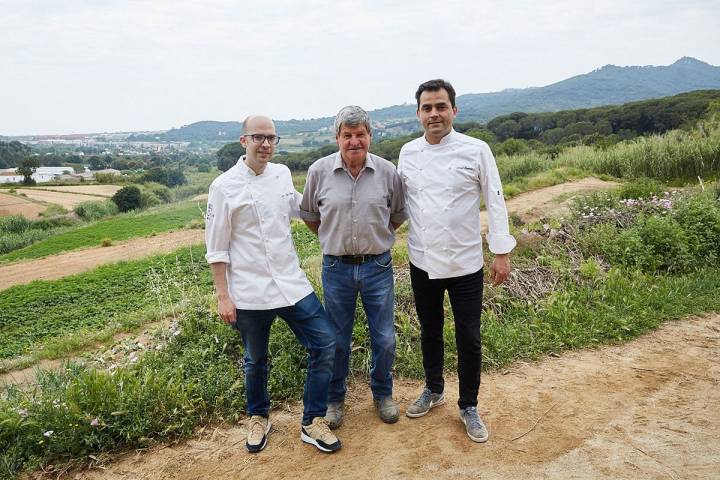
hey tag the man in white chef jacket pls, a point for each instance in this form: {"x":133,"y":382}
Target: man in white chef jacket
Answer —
{"x":445,"y":175}
{"x":257,"y":277}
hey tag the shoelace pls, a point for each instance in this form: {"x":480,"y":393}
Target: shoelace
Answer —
{"x":322,"y":428}
{"x":424,"y":399}
{"x":257,"y":428}
{"x":472,"y":418}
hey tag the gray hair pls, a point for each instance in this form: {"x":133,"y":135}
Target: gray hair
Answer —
{"x":351,"y":116}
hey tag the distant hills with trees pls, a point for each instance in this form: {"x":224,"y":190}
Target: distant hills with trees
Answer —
{"x":609,"y":85}
{"x":546,"y":133}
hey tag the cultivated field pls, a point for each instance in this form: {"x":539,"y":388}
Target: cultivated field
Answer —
{"x":99,"y":190}
{"x":64,"y":199}
{"x":12,"y":205}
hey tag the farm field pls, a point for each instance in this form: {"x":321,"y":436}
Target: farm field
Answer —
{"x":642,"y":409}
{"x":12,"y":205}
{"x":98,"y":190}
{"x":74,"y":262}
{"x":119,"y":228}
{"x":64,"y":199}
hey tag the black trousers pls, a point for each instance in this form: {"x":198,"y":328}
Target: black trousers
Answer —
{"x":466,"y":301}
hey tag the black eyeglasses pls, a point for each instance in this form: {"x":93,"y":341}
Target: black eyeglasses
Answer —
{"x":260,"y":139}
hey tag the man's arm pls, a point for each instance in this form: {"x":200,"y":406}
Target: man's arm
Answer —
{"x":398,"y":214}
{"x":226,"y":307}
{"x":309,"y":211}
{"x":312,"y":225}
{"x":217,"y":240}
{"x":500,"y":242}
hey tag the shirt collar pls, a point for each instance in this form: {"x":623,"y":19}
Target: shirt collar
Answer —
{"x":443,"y":141}
{"x":338,"y":163}
{"x":244,"y":170}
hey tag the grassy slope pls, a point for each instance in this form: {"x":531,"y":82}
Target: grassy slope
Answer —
{"x":119,"y":228}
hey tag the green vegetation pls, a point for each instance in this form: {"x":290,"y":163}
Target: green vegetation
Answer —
{"x":120,"y":228}
{"x":191,"y":376}
{"x":17,"y":232}
{"x":31,"y":315}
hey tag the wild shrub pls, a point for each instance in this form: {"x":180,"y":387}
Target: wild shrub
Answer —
{"x":127,"y":198}
{"x":148,"y":199}
{"x":14,"y":224}
{"x":641,"y":188}
{"x":163,"y":193}
{"x":90,"y":211}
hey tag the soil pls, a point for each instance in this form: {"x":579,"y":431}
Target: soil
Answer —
{"x":543,"y":202}
{"x":99,"y":190}
{"x":644,"y":409}
{"x":78,"y":261}
{"x":12,"y":205}
{"x":64,"y":199}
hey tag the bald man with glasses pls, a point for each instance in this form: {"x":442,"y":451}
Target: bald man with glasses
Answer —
{"x":257,"y":277}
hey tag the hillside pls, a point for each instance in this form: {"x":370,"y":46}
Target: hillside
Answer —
{"x":609,"y":85}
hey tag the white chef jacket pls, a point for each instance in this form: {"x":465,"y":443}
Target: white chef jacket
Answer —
{"x":443,"y":185}
{"x":247,"y":225}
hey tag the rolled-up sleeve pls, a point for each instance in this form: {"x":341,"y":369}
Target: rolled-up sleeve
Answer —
{"x":398,"y":214}
{"x":498,"y":238}
{"x":309,"y":209}
{"x":217,"y":227}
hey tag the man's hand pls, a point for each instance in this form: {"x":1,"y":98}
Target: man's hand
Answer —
{"x":313,"y":226}
{"x":500,"y":269}
{"x":226,"y":309}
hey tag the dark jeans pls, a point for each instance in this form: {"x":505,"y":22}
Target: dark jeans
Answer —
{"x":466,"y":301}
{"x":373,"y":281}
{"x":310,"y":324}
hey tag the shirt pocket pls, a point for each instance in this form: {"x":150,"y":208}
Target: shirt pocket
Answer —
{"x":464,"y":177}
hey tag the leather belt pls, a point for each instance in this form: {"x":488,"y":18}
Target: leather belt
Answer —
{"x":357,"y":259}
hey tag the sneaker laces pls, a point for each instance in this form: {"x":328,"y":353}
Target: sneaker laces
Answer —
{"x":321,"y":429}
{"x":256,"y":426}
{"x":472,"y":418}
{"x":425,"y":398}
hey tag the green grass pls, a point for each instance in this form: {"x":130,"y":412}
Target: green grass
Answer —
{"x":119,"y":228}
{"x":107,"y":299}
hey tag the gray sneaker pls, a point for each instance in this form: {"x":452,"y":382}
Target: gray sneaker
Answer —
{"x":387,"y":409}
{"x":424,"y":403}
{"x":474,"y":425}
{"x":334,"y":415}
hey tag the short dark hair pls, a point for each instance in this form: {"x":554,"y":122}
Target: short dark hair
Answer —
{"x":434,"y":86}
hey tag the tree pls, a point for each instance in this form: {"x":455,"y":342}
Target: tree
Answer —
{"x":27,"y":168}
{"x":127,"y":198}
{"x":228,"y":156}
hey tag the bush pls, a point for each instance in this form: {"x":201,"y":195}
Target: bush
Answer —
{"x":700,"y":219}
{"x":163,"y":193}
{"x":642,"y":188}
{"x":127,"y":198}
{"x":106,"y":242}
{"x":14,"y":224}
{"x":90,"y":211}
{"x":148,"y":199}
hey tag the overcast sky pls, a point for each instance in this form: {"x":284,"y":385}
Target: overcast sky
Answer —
{"x":73,"y":66}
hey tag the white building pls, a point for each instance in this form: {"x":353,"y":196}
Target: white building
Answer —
{"x":41,"y":175}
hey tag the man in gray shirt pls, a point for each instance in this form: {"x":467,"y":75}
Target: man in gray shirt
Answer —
{"x":354,"y":201}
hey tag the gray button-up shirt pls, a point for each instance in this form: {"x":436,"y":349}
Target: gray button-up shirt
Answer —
{"x":354,"y":213}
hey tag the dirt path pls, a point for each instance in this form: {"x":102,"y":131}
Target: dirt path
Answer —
{"x":78,"y":261}
{"x":646,"y":409}
{"x":543,"y":202}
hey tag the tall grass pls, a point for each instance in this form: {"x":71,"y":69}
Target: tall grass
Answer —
{"x":675,"y":155}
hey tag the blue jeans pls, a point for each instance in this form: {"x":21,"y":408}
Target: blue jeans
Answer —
{"x":373,"y":280}
{"x":309,"y":322}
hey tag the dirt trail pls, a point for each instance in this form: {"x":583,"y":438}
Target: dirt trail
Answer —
{"x":530,"y":205}
{"x":645,"y":409}
{"x":543,"y":202}
{"x":78,"y":261}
